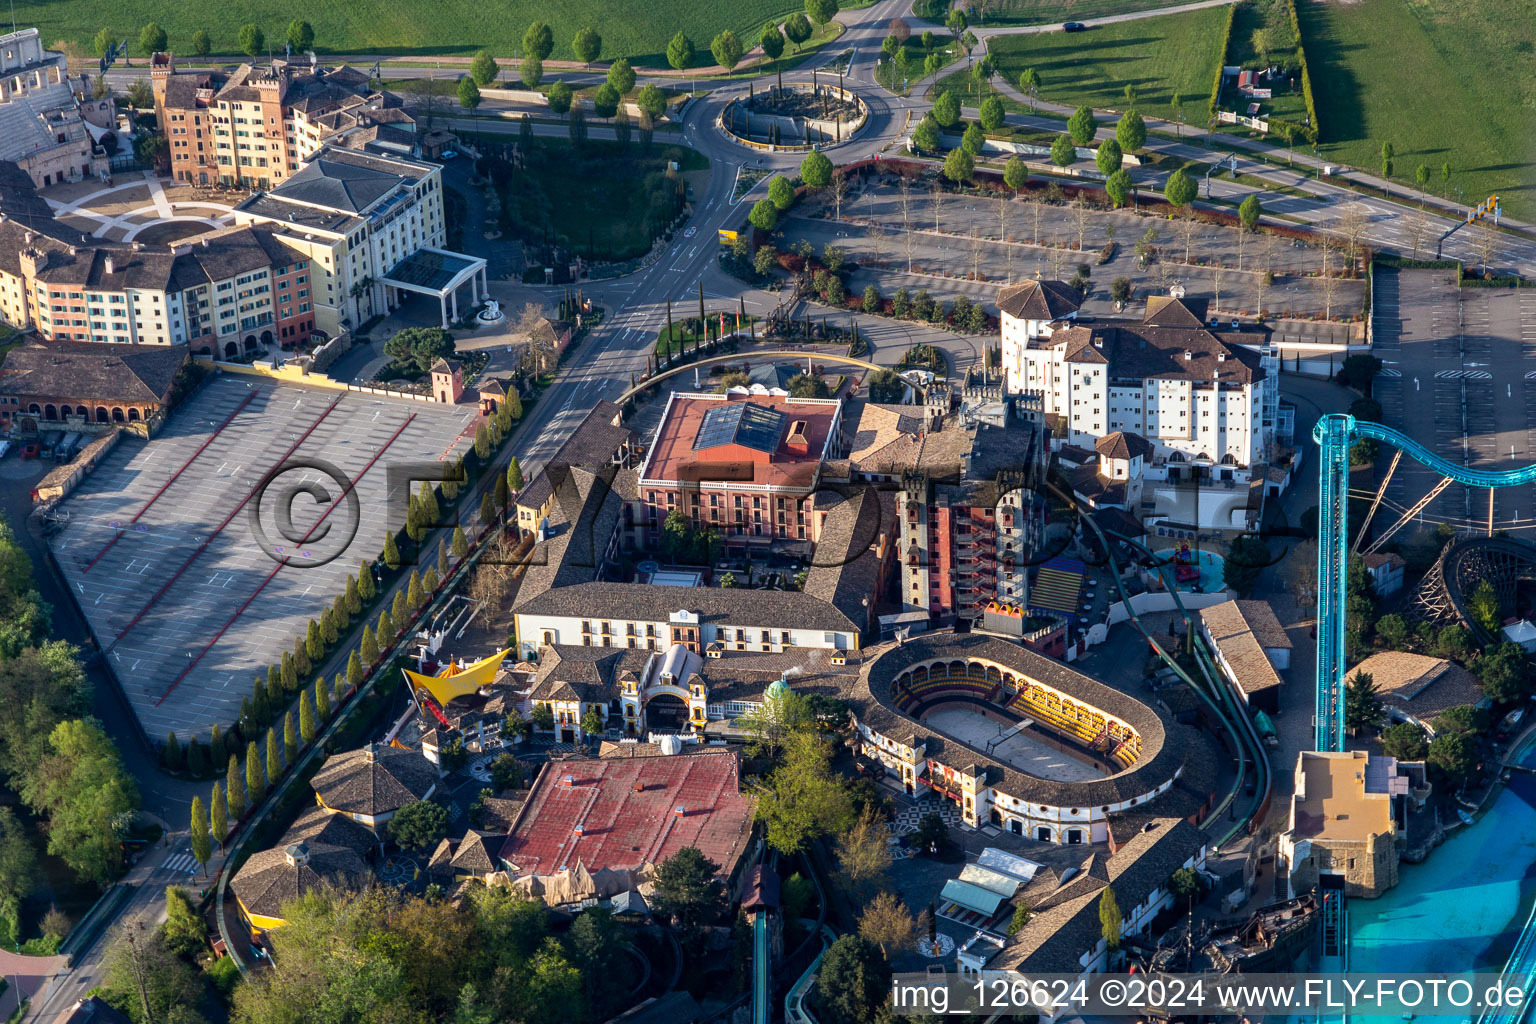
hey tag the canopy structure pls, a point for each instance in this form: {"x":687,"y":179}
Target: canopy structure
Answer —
{"x":972,"y":897}
{"x":454,"y":682}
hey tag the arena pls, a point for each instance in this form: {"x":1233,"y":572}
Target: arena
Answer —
{"x":1016,"y":739}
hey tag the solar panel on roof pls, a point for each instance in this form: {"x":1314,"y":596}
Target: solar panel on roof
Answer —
{"x":743,"y":423}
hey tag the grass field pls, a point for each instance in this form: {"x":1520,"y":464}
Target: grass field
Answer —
{"x":1037,"y":12}
{"x":1436,"y":78}
{"x":1161,"y":57}
{"x":405,"y":27}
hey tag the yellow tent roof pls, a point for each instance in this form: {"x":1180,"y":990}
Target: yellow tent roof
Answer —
{"x":453,"y":684}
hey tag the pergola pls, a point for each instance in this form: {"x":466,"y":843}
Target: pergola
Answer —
{"x":441,"y":273}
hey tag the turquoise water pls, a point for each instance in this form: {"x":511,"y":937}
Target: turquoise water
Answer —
{"x":1463,"y":908}
{"x":1210,"y":565}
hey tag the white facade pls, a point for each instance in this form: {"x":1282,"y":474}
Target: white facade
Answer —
{"x":1220,"y":422}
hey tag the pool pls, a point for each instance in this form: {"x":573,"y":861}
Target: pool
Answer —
{"x":1210,"y":564}
{"x":1464,"y":907}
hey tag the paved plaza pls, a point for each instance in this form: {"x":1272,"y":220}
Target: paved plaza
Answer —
{"x":1020,"y":749}
{"x":142,"y":208}
{"x":188,"y":599}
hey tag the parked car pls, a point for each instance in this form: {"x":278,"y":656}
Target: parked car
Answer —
{"x":1073,"y":26}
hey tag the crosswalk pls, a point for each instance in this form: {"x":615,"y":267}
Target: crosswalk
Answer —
{"x":181,"y":864}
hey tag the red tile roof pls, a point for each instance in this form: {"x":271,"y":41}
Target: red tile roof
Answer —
{"x":674,"y":458}
{"x":623,"y":814}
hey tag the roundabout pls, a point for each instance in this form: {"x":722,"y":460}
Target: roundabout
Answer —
{"x":794,"y":118}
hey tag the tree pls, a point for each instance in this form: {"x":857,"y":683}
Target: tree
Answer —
{"x":152,"y":39}
{"x":816,"y":169}
{"x":80,"y":786}
{"x":275,"y":763}
{"x":973,"y":139}
{"x":202,"y":43}
{"x":726,"y":49}
{"x":1180,"y":189}
{"x":797,"y":29}
{"x":1109,"y":918}
{"x":1362,"y":703}
{"x":821,"y":11}
{"x":1453,"y":754}
{"x":1108,"y":157}
{"x":1404,"y":741}
{"x":586,"y":44}
{"x":201,"y":847}
{"x":680,"y":52}
{"x":469,"y":93}
{"x":1081,"y":125}
{"x":605,"y":101}
{"x":538,"y":40}
{"x":144,"y":974}
{"x":1249,"y":211}
{"x":234,"y":788}
{"x":855,"y":979}
{"x":887,"y":923}
{"x":301,"y":36}
{"x":1021,"y":915}
{"x":559,"y":98}
{"x":1015,"y":174}
{"x":802,"y":798}
{"x":1504,"y":673}
{"x":255,"y":775}
{"x":1063,"y":153}
{"x":419,"y":825}
{"x":764,"y":215}
{"x":926,"y":135}
{"x":991,"y":113}
{"x":1131,"y":131}
{"x":863,"y":855}
{"x":958,"y":166}
{"x":483,"y":69}
{"x":688,"y":889}
{"x":946,"y":109}
{"x":252,"y":40}
{"x":171,"y":755}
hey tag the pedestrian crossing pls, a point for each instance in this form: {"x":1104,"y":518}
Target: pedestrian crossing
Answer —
{"x":181,"y":864}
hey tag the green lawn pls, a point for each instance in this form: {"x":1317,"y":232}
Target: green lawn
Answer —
{"x":1037,"y":12}
{"x":1161,"y":57}
{"x":407,"y":27}
{"x":1442,"y":80}
{"x":606,"y":201}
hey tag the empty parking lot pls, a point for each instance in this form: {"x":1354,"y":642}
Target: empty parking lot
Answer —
{"x":1459,"y":377}
{"x":196,"y":568}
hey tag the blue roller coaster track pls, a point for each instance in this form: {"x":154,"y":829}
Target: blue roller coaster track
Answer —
{"x":1335,"y":434}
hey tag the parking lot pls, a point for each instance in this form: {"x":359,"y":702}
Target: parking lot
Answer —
{"x":1458,"y":376}
{"x":196,"y":570}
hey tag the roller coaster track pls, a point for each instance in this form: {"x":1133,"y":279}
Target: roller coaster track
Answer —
{"x":1335,"y":434}
{"x":1213,"y":689}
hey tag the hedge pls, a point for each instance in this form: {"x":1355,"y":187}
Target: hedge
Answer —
{"x":1221,"y":61}
{"x":1306,"y":75}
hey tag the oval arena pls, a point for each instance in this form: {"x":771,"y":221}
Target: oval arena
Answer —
{"x":1015,"y":739}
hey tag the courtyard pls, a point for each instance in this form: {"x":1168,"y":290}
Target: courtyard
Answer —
{"x":194,"y":582}
{"x":139,"y":207}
